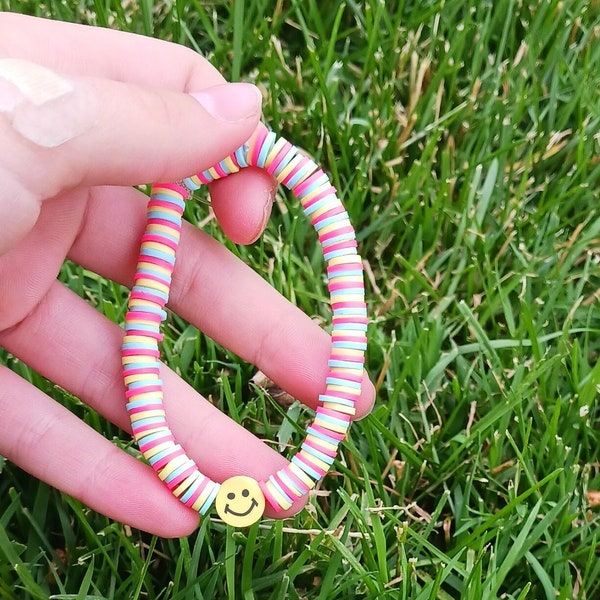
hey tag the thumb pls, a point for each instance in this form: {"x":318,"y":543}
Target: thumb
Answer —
{"x":57,"y":133}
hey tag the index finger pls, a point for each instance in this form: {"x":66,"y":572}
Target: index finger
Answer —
{"x":105,"y":53}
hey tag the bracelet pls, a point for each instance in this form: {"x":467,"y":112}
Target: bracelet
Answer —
{"x":241,"y":500}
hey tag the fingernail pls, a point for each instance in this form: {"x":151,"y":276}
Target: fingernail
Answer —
{"x":266,"y":215}
{"x":230,"y":102}
{"x":42,"y":106}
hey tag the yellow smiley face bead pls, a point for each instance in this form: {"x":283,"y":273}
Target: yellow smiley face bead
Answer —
{"x":240,"y":501}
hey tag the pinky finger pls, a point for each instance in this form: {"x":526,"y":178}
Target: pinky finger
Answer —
{"x":46,"y":440}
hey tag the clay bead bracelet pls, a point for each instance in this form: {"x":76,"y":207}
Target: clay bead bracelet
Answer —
{"x":240,"y":500}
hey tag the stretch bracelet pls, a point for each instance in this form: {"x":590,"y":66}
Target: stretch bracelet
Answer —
{"x":241,"y":500}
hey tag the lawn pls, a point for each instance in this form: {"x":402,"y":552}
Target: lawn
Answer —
{"x":463,"y":136}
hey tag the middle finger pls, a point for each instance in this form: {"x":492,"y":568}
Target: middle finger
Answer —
{"x":216,"y":292}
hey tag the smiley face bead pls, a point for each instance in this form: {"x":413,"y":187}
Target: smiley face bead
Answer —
{"x":240,"y":501}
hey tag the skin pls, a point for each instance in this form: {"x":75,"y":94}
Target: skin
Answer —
{"x":76,"y":201}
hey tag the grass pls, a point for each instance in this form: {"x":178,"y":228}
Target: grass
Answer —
{"x":463,"y":136}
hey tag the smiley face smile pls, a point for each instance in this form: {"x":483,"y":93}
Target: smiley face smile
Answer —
{"x":253,"y":505}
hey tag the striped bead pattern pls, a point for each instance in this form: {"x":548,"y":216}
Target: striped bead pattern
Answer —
{"x":140,"y":357}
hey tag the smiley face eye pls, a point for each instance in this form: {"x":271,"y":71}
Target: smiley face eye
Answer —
{"x":231,"y":495}
{"x":245,"y":493}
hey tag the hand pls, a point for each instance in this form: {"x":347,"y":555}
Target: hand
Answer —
{"x":118,"y":110}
